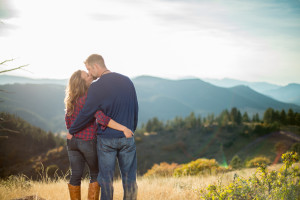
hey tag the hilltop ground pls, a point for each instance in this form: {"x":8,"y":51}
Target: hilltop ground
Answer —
{"x":149,"y":188}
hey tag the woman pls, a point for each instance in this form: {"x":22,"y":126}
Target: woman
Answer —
{"x":82,"y":145}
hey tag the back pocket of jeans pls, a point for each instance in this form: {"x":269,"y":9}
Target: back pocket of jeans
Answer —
{"x":71,"y":144}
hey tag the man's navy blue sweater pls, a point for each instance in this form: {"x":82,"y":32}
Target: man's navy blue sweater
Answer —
{"x":115,"y":95}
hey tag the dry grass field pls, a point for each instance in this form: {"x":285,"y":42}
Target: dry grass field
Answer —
{"x":154,"y":188}
{"x":149,"y":188}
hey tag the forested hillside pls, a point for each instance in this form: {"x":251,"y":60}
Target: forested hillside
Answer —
{"x":232,"y":133}
{"x":27,"y":149}
{"x":20,"y":142}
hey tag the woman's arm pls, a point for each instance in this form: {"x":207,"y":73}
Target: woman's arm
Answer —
{"x":106,"y":121}
{"x":115,"y":125}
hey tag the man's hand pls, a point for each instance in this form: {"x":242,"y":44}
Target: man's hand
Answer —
{"x":69,"y":136}
{"x":128,"y":133}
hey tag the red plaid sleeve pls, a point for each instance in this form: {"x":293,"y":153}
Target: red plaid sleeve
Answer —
{"x":102,"y":119}
{"x":68,"y":121}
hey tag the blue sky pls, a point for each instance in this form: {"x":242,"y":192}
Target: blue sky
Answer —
{"x":246,"y":40}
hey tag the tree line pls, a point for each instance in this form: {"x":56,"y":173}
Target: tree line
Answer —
{"x":226,"y":117}
{"x":281,"y":117}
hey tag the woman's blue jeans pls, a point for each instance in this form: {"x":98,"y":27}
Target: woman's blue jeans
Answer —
{"x":124,"y":150}
{"x":81,"y":152}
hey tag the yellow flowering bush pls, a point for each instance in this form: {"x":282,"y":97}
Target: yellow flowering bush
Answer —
{"x":260,"y":160}
{"x":199,"y":167}
{"x":264,"y":184}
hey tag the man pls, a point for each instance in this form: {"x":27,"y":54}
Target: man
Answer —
{"x":115,"y":95}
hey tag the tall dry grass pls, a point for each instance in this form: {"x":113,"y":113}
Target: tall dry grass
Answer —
{"x":155,"y":188}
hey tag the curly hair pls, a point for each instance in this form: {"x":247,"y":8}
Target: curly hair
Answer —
{"x":75,"y":89}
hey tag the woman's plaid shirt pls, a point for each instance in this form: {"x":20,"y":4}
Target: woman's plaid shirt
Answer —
{"x":89,"y":132}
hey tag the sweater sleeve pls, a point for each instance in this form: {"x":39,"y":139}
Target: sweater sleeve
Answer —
{"x":87,"y":113}
{"x":68,"y":121}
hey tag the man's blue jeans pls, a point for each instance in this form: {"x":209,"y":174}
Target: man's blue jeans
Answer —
{"x":81,"y":152}
{"x":124,"y":150}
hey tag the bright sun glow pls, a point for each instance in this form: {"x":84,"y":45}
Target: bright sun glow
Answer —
{"x":160,"y":38}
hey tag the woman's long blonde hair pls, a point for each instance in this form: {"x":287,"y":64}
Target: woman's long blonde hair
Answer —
{"x":76,"y":88}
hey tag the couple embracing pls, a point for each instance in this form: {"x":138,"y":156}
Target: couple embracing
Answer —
{"x":101,"y":116}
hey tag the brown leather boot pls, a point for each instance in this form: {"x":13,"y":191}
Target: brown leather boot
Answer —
{"x":94,"y":190}
{"x":74,"y":192}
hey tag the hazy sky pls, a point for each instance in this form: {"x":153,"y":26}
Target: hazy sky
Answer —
{"x":251,"y":40}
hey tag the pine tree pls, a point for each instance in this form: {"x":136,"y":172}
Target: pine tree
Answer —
{"x":282,"y":117}
{"x":245,"y":117}
{"x":290,"y":117}
{"x":268,"y":116}
{"x":236,"y":162}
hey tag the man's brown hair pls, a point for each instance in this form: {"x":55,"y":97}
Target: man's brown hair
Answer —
{"x":95,"y":59}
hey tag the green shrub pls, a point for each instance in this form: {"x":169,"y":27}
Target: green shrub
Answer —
{"x":199,"y":167}
{"x":264,"y":184}
{"x":236,"y":162}
{"x":163,"y":169}
{"x":261,"y":160}
{"x":263,"y":129}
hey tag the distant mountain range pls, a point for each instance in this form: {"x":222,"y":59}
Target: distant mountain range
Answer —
{"x":288,"y":94}
{"x":165,"y":98}
{"x":260,"y":87}
{"x":6,"y":79}
{"x":42,"y":105}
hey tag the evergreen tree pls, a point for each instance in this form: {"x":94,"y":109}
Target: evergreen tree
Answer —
{"x":290,"y":117}
{"x":238,"y":118}
{"x":245,"y":117}
{"x":190,"y":121}
{"x":224,"y":118}
{"x":178,"y":123}
{"x":268,"y":116}
{"x":283,"y":117}
{"x":154,"y":125}
{"x":255,"y":118}
{"x":276,"y":116}
{"x":297,"y":119}
{"x":233,"y":114}
{"x":199,"y":121}
{"x":210,"y":118}
{"x":149,"y":126}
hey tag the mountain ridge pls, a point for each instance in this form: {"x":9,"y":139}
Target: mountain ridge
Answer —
{"x":43,"y":104}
